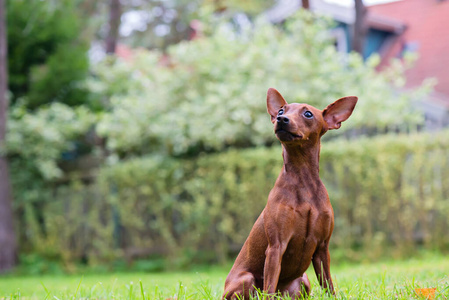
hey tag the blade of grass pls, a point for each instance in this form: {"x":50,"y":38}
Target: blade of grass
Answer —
{"x":79,"y":284}
{"x":46,"y":290}
{"x":141,"y":290}
{"x":130,"y":290}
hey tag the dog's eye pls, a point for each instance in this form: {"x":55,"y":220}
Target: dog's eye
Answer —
{"x":308,"y":114}
{"x":281,"y":112}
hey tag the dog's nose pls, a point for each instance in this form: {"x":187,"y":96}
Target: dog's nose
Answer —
{"x":282,"y":119}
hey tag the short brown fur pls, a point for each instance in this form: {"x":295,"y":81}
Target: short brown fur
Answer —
{"x":295,"y":227}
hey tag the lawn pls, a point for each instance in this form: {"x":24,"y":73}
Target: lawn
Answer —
{"x":386,"y":280}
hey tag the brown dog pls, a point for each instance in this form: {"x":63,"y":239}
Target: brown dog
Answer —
{"x":295,"y":227}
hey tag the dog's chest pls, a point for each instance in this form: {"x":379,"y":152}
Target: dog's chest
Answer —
{"x":312,"y":221}
{"x":312,"y":228}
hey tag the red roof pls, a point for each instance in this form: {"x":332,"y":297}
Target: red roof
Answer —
{"x":427,"y":24}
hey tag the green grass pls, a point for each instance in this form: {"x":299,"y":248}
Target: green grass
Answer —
{"x":387,"y":280}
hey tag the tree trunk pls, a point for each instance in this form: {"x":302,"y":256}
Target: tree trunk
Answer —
{"x":8,"y":253}
{"x":360,"y":29}
{"x":114,"y":24}
{"x":305,"y":4}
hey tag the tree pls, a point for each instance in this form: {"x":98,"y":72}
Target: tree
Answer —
{"x":7,"y":236}
{"x":305,"y":4}
{"x":165,"y":23}
{"x":114,"y":24}
{"x":47,"y":52}
{"x":359,"y":27}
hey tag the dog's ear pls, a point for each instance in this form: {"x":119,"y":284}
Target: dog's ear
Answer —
{"x":274,"y":103}
{"x":339,"y":111}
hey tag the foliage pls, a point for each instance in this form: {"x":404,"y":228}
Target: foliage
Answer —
{"x":47,"y":57}
{"x":35,"y":145}
{"x":389,"y":194}
{"x":250,"y":7}
{"x":158,"y":24}
{"x":211,"y":93}
{"x":46,"y":133}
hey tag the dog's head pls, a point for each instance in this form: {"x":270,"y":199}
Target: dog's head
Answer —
{"x":296,"y":123}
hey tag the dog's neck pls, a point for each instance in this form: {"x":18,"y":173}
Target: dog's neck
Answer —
{"x":301,"y":163}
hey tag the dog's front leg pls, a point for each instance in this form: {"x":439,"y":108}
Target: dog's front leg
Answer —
{"x":272,"y":267}
{"x":321,"y":264}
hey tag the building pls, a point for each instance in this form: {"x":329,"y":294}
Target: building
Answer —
{"x":427,"y":34}
{"x":393,"y":27}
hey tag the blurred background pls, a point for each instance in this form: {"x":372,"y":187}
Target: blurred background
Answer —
{"x":134,"y":134}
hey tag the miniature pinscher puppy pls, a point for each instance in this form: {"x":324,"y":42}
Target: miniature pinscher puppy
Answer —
{"x":296,"y":224}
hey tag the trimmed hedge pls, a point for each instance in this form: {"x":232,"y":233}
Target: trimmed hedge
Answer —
{"x":389,"y":193}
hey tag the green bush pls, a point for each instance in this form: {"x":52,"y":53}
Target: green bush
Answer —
{"x":38,"y":139}
{"x":211,"y":92}
{"x":390,"y":196}
{"x":35,"y":145}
